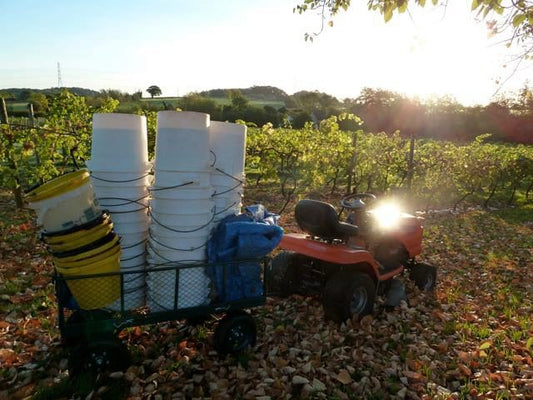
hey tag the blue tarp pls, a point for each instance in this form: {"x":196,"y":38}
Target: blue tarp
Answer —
{"x":241,"y":237}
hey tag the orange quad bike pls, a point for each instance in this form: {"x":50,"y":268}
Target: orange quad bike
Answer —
{"x":350,"y":263}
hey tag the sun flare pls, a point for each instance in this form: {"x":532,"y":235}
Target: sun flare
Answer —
{"x":438,"y":64}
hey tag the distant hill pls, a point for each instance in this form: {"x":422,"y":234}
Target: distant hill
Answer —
{"x":23,"y":93}
{"x":256,"y":93}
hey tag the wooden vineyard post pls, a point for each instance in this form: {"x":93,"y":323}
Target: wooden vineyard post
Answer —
{"x":31,"y":114}
{"x":411,"y":163}
{"x":12,"y":164}
{"x":353,"y":162}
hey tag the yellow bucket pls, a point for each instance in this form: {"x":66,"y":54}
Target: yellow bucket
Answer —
{"x":76,"y":232}
{"x":87,"y":260}
{"x":64,"y":202}
{"x":90,"y":252}
{"x":59,"y":185}
{"x":80,"y":238}
{"x":91,"y":293}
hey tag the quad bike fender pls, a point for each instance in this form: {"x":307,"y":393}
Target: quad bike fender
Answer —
{"x":410,"y":235}
{"x":337,"y":253}
{"x":411,"y":243}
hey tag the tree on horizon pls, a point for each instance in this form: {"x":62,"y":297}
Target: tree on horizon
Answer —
{"x":154,"y":90}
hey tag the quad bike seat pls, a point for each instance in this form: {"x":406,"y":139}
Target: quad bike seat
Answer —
{"x":318,"y":218}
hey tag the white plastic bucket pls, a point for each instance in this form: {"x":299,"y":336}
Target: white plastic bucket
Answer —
{"x":221,"y":212}
{"x":132,"y":251}
{"x":119,"y":193}
{"x":118,"y":179}
{"x":127,"y":228}
{"x":69,"y":209}
{"x":161,"y":255}
{"x":124,"y":208}
{"x":234,"y":208}
{"x":227,"y":141}
{"x":131,"y":233}
{"x":225,"y":214}
{"x":183,"y":207}
{"x":158,"y":227}
{"x":159,"y":290}
{"x":219,"y":179}
{"x":139,"y":217}
{"x":182,"y":141}
{"x":193,"y":220}
{"x":182,"y":193}
{"x":132,"y":239}
{"x":174,"y":242}
{"x":131,"y":258}
{"x":181,"y":233}
{"x":137,"y":263}
{"x":222,"y":203}
{"x":190,"y":179}
{"x":193,"y":289}
{"x":133,"y":298}
{"x":228,"y":193}
{"x":119,"y":142}
{"x":123,"y":205}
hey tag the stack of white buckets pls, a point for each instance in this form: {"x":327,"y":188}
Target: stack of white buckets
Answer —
{"x":182,"y":210}
{"x":228,"y":147}
{"x":120,"y":177}
{"x":198,"y":180}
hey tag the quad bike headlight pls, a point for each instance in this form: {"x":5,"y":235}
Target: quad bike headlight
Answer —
{"x":387,"y":215}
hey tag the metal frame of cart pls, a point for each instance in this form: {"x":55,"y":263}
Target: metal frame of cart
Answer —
{"x":92,"y":335}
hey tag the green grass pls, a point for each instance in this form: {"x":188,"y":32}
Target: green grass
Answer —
{"x":17,"y":107}
{"x":517,"y":215}
{"x":260,"y":103}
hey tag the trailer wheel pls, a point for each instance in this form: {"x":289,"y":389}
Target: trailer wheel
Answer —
{"x":278,"y":274}
{"x":99,"y":356}
{"x":235,"y":333}
{"x":348,"y":293}
{"x":424,"y":276}
{"x":74,"y":331}
{"x":71,"y":333}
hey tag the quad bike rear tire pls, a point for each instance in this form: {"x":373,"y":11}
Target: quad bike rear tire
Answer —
{"x":348,"y":293}
{"x":424,"y":276}
{"x":278,"y":274}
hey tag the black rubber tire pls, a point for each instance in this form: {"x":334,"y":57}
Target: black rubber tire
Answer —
{"x":277,"y":274}
{"x":235,"y":333}
{"x":348,"y":293}
{"x":424,"y":276}
{"x":99,"y":356}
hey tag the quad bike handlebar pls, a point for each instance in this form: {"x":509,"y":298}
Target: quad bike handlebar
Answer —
{"x":355,"y":201}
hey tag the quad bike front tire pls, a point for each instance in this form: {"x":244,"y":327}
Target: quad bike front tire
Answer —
{"x":235,"y":333}
{"x":424,"y":276}
{"x":348,"y":293}
{"x":391,"y":254}
{"x":278,"y":274}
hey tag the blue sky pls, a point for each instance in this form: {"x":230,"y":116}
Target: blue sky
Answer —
{"x":185,"y":46}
